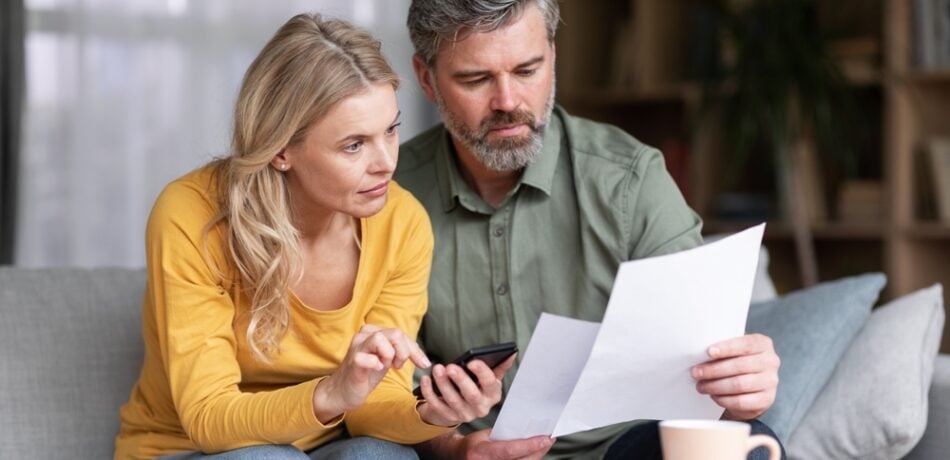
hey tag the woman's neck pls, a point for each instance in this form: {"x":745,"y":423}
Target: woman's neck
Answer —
{"x":315,"y":223}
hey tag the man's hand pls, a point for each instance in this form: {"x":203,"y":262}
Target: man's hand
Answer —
{"x":462,"y":400}
{"x":741,"y":376}
{"x":477,"y":446}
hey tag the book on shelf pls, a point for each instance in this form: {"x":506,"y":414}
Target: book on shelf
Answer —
{"x":622,"y":76}
{"x":861,"y":202}
{"x":676,"y":155}
{"x":932,"y":34}
{"x":809,"y":185}
{"x":938,"y":154}
{"x":925,"y":208}
{"x":857,"y":57}
{"x":649,"y":50}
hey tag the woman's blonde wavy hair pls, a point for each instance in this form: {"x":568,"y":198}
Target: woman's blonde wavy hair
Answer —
{"x":309,"y":66}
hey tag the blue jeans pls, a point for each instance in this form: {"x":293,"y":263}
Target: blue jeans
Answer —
{"x":643,"y":442}
{"x":343,"y":449}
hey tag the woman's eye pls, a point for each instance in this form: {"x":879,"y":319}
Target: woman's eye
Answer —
{"x":354,"y":147}
{"x":392,"y":129}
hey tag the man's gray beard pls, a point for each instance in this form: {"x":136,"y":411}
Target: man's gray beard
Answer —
{"x":504,"y":155}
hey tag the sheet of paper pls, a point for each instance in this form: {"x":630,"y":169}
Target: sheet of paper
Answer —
{"x":662,"y":314}
{"x":551,"y":366}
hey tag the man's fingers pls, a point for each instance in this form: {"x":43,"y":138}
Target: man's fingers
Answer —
{"x":737,"y":385}
{"x":518,"y":448}
{"x":450,"y":394}
{"x":483,"y":374}
{"x":441,"y":378}
{"x":740,"y":346}
{"x":467,"y":388}
{"x":751,"y":403}
{"x":735,"y":366}
{"x":428,"y":393}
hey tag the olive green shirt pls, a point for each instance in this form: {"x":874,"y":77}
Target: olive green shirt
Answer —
{"x":594,"y":197}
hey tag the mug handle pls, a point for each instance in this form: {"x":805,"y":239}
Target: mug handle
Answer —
{"x":761,"y":440}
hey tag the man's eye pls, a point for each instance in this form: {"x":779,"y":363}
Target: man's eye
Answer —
{"x":476,"y":82}
{"x":527,"y":72}
{"x":354,"y":147}
{"x":392,"y":129}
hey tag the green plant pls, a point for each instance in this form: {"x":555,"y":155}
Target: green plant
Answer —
{"x":779,"y":83}
{"x":781,"y":91}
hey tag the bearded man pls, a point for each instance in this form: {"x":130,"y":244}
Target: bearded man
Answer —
{"x":533,"y":211}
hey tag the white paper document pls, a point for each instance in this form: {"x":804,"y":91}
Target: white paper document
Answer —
{"x":663,"y":313}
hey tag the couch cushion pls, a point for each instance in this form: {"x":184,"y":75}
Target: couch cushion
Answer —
{"x":934,"y":443}
{"x":811,"y":329}
{"x":70,"y":349}
{"x":875,"y":404}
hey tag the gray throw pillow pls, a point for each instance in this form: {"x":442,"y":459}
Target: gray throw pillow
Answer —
{"x":934,"y":442}
{"x":875,"y":404}
{"x":811,"y":329}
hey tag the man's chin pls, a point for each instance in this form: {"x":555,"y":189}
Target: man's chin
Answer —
{"x":508,"y":143}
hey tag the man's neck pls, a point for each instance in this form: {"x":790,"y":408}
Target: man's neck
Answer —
{"x":492,"y":186}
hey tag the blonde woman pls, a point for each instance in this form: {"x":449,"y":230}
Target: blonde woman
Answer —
{"x":287,"y":282}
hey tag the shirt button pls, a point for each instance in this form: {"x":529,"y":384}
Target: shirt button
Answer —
{"x":499,"y":231}
{"x":502,"y":289}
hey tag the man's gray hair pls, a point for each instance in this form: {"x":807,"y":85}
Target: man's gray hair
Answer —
{"x":432,"y":21}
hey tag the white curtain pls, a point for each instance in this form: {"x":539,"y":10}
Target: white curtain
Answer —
{"x":125,"y":95}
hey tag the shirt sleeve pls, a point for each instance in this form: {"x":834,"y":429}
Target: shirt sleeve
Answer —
{"x":660,"y":221}
{"x":194,"y":316}
{"x":390,"y":410}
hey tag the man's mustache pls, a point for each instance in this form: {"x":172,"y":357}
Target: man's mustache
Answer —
{"x":499,"y":119}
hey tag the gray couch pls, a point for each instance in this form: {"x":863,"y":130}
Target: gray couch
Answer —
{"x":70,"y":349}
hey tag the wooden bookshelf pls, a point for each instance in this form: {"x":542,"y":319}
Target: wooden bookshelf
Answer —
{"x":938,"y":77}
{"x":928,"y":231}
{"x":906,"y":107}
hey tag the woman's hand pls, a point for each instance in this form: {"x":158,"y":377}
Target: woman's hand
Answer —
{"x":462,"y":399}
{"x":372,"y":353}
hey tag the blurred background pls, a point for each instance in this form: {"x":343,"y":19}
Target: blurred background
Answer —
{"x":829,"y":119}
{"x":119,"y":97}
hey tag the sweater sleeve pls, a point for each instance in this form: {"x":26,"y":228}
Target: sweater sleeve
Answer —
{"x":390,"y":410}
{"x":194,"y":316}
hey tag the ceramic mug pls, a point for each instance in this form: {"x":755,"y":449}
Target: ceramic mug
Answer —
{"x":712,"y":439}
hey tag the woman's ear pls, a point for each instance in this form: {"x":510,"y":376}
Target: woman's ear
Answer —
{"x":279,"y":162}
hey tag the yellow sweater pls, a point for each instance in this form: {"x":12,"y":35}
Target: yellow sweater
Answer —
{"x":200,"y":387}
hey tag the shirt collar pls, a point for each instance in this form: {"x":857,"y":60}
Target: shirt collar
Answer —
{"x":447,"y":172}
{"x":539,"y":174}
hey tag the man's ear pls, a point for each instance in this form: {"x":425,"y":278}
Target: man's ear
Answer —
{"x":425,"y":76}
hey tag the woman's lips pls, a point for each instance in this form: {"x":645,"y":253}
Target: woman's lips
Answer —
{"x":376,"y":191}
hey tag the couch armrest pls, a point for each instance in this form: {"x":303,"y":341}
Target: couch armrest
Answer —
{"x":936,"y":441}
{"x":70,"y":349}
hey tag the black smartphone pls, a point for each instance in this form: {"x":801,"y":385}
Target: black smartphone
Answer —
{"x":492,"y":355}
